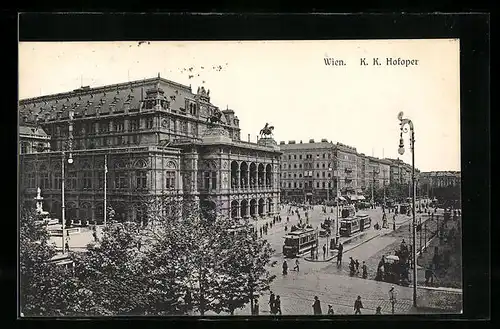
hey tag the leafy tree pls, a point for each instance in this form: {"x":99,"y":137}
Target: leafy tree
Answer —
{"x":112,"y":272}
{"x":205,"y":243}
{"x":43,"y":285}
{"x":244,"y":271}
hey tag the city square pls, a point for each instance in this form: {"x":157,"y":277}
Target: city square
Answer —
{"x":150,"y":188}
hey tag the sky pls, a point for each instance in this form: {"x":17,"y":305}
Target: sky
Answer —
{"x":287,"y":84}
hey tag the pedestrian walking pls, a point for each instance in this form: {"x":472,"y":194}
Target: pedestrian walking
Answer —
{"x":358,"y":305}
{"x":378,"y":310}
{"x":316,"y":306}
{"x":296,"y":268}
{"x":66,"y":245}
{"x":94,"y":233}
{"x":357,"y":266}
{"x":312,"y":252}
{"x":271,"y":302}
{"x":256,"y":306}
{"x":287,"y":219}
{"x":365,"y":270}
{"x":285,"y":268}
{"x":330,"y":310}
{"x":352,"y":266}
{"x":324,"y":251}
{"x":429,"y":275}
{"x":277,"y":305}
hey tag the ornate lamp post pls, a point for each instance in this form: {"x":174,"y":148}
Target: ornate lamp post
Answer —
{"x":63,"y":178}
{"x":401,"y":150}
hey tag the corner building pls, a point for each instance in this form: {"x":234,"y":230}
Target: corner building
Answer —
{"x":157,"y":142}
{"x":315,"y":171}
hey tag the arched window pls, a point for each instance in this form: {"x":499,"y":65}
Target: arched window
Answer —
{"x":170,"y":180}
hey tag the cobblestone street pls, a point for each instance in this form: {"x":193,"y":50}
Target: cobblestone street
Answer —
{"x":333,"y":285}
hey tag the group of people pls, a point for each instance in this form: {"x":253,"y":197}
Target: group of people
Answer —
{"x":354,"y":268}
{"x":285,"y":266}
{"x":358,"y":305}
{"x":264,"y":228}
{"x":275,"y":304}
{"x":397,"y":271}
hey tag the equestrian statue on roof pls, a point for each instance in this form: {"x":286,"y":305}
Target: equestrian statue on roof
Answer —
{"x":267,"y":130}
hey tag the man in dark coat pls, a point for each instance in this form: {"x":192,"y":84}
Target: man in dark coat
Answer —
{"x":277,"y":305}
{"x":352,"y":266}
{"x":272,"y":300}
{"x":358,"y":305}
{"x":285,"y":268}
{"x":316,"y":306}
{"x":365,"y":270}
{"x":339,"y":254}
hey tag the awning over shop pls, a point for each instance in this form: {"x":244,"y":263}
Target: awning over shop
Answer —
{"x":361,"y":197}
{"x":341,"y":198}
{"x":353,"y":197}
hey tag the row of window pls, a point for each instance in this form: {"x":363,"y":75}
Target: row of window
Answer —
{"x":305,"y":185}
{"x":307,"y":165}
{"x":308,"y":156}
{"x":98,"y":142}
{"x":306,"y":174}
{"x":122,"y":180}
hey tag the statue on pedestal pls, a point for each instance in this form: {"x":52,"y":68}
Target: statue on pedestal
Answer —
{"x":267,"y":130}
{"x":38,"y":199}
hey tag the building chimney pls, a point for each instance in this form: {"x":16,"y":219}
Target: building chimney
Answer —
{"x":249,"y":138}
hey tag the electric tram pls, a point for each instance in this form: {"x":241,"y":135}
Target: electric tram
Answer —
{"x":299,"y":242}
{"x":352,"y":225}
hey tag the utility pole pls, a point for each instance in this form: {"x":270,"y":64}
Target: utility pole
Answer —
{"x":63,"y":215}
{"x":401,"y":150}
{"x":105,"y":185}
{"x":384,"y":187}
{"x":373,"y":183}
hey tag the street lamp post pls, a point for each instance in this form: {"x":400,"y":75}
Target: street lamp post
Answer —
{"x":384,"y":187}
{"x":392,"y":298}
{"x":401,"y":150}
{"x":105,"y":187}
{"x":63,"y":207}
{"x":71,"y":113}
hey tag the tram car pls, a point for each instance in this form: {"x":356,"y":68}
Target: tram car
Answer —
{"x":299,"y":242}
{"x":355,"y":224}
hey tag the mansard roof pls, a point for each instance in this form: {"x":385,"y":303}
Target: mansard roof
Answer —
{"x":88,"y":99}
{"x":25,"y":131}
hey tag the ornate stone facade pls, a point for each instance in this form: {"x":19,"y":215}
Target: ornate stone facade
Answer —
{"x":157,"y":140}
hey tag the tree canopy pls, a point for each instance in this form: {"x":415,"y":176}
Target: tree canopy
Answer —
{"x":174,"y":262}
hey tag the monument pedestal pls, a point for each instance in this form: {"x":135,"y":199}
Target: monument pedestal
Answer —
{"x":268,"y":142}
{"x":215,"y":134}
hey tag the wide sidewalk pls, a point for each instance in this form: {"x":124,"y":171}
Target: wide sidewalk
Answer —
{"x":297,"y":293}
